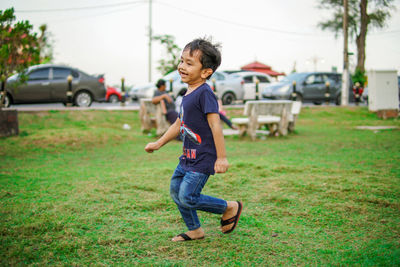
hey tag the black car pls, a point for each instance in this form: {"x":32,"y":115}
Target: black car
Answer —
{"x":310,"y":86}
{"x":48,"y":83}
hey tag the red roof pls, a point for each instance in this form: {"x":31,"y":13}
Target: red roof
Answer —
{"x":260,"y":67}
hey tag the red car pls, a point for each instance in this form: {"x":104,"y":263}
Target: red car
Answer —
{"x":113,"y":95}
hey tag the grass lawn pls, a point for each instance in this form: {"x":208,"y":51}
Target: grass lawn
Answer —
{"x":76,"y":189}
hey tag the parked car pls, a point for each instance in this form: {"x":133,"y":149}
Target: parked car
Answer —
{"x":249,"y":79}
{"x":48,"y":83}
{"x":113,"y":95}
{"x":310,"y":86}
{"x":228,"y":89}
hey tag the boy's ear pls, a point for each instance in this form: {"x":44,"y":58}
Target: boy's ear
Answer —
{"x":205,"y":73}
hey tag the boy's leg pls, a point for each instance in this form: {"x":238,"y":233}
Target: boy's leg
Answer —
{"x":176,"y":181}
{"x":191,"y":220}
{"x":227,"y":121}
{"x":185,"y":191}
{"x":191,"y":200}
{"x":171,"y":116}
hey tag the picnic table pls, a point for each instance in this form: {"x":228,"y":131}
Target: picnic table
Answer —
{"x":151,"y":116}
{"x":275,"y":114}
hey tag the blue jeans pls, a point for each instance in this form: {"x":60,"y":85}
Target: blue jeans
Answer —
{"x":185,"y":191}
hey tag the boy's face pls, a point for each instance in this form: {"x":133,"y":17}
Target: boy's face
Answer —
{"x":191,"y":69}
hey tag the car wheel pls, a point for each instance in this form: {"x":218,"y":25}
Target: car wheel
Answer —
{"x":228,"y":98}
{"x":7,"y":101}
{"x":113,"y":99}
{"x":317,"y":103}
{"x":83,"y":99}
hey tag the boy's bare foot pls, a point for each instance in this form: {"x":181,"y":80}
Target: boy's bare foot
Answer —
{"x":193,"y":235}
{"x":232,"y":214}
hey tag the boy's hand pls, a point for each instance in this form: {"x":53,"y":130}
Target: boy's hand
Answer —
{"x":150,"y":147}
{"x":221,"y":165}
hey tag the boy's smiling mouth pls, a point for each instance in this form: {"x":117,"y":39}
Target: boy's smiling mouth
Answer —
{"x":183,"y":74}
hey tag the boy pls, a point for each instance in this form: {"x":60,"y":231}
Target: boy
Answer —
{"x":203,"y":143}
{"x":167,"y":103}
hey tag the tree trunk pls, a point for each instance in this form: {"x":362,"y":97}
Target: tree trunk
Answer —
{"x":8,"y":118}
{"x":8,"y":123}
{"x":361,"y":37}
{"x":2,"y":93}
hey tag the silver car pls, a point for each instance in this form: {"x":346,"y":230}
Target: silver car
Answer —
{"x":48,"y":83}
{"x":249,"y":79}
{"x":228,"y":89}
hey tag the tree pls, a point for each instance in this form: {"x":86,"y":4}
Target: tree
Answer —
{"x":20,"y":47}
{"x":46,"y":49}
{"x":359,"y":21}
{"x":173,"y":54}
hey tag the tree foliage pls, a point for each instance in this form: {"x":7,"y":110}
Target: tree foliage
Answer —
{"x":362,"y":16}
{"x":46,"y":49}
{"x":20,"y":47}
{"x":379,"y":13}
{"x":170,"y":63}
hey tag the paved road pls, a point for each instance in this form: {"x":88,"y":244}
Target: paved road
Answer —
{"x":59,"y":106}
{"x":108,"y":106}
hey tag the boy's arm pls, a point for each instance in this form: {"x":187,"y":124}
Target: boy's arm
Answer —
{"x":157,"y":99}
{"x":171,"y":133}
{"x":221,"y":164}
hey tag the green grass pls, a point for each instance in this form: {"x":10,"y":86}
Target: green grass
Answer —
{"x":77,"y":189}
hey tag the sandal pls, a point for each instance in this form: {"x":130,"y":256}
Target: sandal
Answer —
{"x":187,"y":238}
{"x":233,"y":220}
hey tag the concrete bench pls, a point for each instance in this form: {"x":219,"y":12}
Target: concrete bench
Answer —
{"x":275,"y":114}
{"x":296,"y":107}
{"x":151,"y":116}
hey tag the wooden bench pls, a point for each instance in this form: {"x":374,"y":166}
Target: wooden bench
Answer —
{"x":151,"y":116}
{"x":275,"y":114}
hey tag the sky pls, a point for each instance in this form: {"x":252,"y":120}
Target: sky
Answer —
{"x":111,"y":37}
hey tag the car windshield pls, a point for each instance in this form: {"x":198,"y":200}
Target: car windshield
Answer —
{"x":173,"y":75}
{"x":294,"y":77}
{"x":235,"y":76}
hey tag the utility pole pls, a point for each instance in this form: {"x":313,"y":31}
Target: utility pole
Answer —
{"x":150,"y":39}
{"x":345,"y":74}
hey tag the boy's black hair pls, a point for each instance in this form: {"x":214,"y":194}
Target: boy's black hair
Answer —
{"x":182,"y":92}
{"x":210,"y":55}
{"x":160,"y":83}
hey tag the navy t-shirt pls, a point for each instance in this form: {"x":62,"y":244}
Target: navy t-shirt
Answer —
{"x":199,"y":153}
